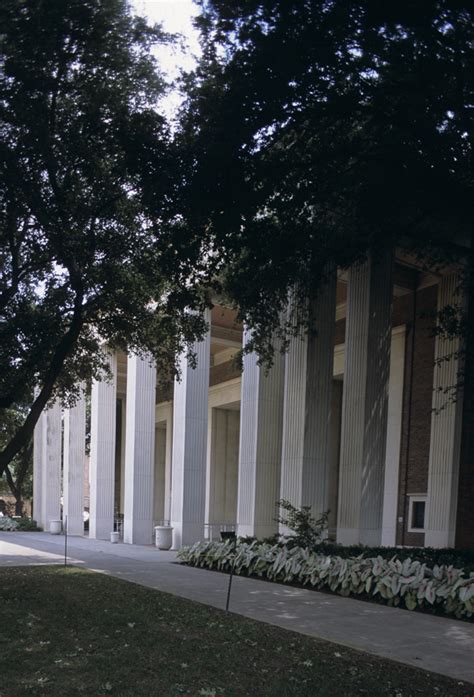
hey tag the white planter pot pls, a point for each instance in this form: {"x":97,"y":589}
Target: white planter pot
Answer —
{"x":163,"y":536}
{"x":55,"y":527}
{"x":114,"y":537}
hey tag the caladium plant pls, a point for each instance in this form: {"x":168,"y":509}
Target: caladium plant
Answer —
{"x":407,"y":583}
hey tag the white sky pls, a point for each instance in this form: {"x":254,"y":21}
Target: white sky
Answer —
{"x":176,"y":18}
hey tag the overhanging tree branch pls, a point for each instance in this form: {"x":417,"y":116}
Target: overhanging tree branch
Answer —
{"x":63,"y":350}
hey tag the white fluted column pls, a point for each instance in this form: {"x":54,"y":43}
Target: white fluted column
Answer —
{"x":365,"y":401}
{"x":51,"y":466}
{"x":190,"y":407}
{"x":168,"y":466}
{"x":38,"y":468}
{"x":394,"y":434}
{"x":261,"y":423}
{"x":445,"y":439}
{"x":73,"y":470}
{"x":103,"y":453}
{"x":307,"y":409}
{"x":139,"y":451}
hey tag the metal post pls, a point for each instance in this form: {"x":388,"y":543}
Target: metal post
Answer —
{"x":231,"y":575}
{"x":228,"y":535}
{"x":65,"y":541}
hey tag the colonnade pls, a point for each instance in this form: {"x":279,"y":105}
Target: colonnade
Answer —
{"x":286,"y":446}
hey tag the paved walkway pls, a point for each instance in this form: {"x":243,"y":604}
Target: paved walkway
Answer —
{"x":434,"y":643}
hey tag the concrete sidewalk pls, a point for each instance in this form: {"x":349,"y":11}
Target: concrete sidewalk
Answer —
{"x":438,"y":644}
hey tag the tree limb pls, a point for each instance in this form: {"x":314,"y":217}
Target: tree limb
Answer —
{"x":63,"y":350}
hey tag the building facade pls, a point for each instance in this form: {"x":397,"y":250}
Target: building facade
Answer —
{"x":358,"y":420}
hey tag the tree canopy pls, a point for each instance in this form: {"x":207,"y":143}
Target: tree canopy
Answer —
{"x":91,"y":247}
{"x":314,"y":132}
{"x":320,"y":130}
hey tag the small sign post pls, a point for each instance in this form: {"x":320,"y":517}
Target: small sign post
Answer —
{"x":230,"y":535}
{"x":65,"y":541}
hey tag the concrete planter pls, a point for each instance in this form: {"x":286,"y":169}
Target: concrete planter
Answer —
{"x":114,"y":537}
{"x":163,"y":536}
{"x":55,"y":527}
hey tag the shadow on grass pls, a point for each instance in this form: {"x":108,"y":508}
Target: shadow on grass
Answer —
{"x":73,"y":632}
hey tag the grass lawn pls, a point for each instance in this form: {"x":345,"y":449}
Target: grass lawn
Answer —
{"x":69,"y":632}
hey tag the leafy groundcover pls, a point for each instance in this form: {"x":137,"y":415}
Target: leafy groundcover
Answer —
{"x":409,"y":583}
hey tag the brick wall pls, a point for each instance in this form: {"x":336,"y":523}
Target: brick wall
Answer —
{"x":340,"y":332}
{"x":417,"y":399}
{"x":465,"y":512}
{"x":416,"y":415}
{"x":224,"y":371}
{"x":7,"y":505}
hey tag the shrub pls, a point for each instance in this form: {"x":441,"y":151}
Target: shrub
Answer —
{"x":7,"y":523}
{"x":311,"y":532}
{"x":307,"y":531}
{"x":408,"y":583}
{"x":28,"y":524}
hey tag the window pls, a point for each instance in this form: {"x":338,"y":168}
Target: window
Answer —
{"x":416,"y":512}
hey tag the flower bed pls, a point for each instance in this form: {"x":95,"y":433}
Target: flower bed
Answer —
{"x":407,"y":583}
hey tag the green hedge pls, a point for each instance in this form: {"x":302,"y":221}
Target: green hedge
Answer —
{"x":28,"y":525}
{"x":459,"y":558}
{"x":19,"y":524}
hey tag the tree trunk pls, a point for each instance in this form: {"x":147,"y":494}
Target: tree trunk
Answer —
{"x":18,"y":503}
{"x":63,"y":350}
{"x":16,"y":487}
